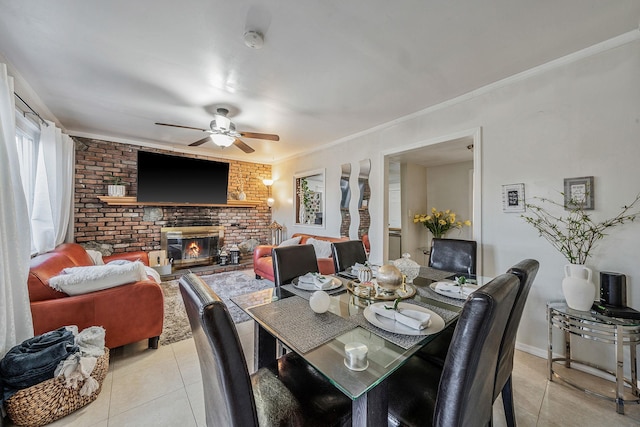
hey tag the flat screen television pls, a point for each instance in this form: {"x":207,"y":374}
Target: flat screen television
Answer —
{"x":164,"y":178}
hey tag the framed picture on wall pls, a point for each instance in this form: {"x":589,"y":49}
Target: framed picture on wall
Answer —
{"x":578,"y":192}
{"x":513,"y":198}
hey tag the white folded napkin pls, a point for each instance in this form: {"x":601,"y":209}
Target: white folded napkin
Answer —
{"x":317,"y":280}
{"x":413,"y":318}
{"x":452,"y":288}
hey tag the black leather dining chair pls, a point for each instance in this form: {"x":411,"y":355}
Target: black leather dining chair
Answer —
{"x":290,"y":262}
{"x":461,"y":392}
{"x":454,"y":255}
{"x":526,"y":271}
{"x":347,"y":254}
{"x":289,"y":393}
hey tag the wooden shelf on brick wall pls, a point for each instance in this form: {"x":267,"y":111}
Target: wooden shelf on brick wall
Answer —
{"x":131,"y":201}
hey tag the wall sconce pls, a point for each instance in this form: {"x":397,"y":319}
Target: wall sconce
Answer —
{"x":268,"y":183}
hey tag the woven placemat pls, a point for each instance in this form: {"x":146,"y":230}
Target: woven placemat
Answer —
{"x":307,"y":294}
{"x":404,"y":341}
{"x":434,"y":274}
{"x":294,"y":321}
{"x":426,"y":291}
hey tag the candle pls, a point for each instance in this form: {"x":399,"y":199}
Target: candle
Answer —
{"x":356,"y":356}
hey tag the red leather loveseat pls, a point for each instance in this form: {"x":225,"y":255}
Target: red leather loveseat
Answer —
{"x":263,"y":264}
{"x":129,"y":313}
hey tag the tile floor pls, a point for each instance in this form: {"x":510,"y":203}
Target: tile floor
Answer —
{"x":163,"y":387}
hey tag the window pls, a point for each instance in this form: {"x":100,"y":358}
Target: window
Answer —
{"x":27,"y":139}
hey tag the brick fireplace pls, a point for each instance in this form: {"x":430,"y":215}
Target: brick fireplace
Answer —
{"x":132,"y":228}
{"x":190,"y":246}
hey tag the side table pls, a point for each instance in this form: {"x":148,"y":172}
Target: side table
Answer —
{"x":595,"y":327}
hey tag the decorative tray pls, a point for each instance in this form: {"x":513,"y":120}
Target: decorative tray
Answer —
{"x":406,"y":291}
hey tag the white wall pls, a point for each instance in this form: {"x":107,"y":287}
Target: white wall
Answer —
{"x":579,"y":116}
{"x":449,"y":187}
{"x":414,"y":200}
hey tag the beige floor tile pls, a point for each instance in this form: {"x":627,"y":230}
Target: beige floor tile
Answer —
{"x":565,"y":406}
{"x":188,"y":363}
{"x":137,"y":380}
{"x":169,"y":410}
{"x":196,"y":399}
{"x":138,"y":355}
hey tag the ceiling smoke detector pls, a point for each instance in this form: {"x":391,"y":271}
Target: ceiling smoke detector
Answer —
{"x":254,"y":39}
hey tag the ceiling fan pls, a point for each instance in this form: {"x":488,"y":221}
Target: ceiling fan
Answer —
{"x":223,"y":133}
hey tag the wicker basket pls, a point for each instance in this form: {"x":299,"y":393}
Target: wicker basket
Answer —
{"x":50,"y":400}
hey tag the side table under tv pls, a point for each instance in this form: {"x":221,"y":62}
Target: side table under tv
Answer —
{"x":600,"y":328}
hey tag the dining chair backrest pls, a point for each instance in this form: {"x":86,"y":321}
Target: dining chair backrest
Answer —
{"x":526,"y":271}
{"x":290,"y":262}
{"x":228,"y":395}
{"x":454,"y":255}
{"x":465,"y":391}
{"x":347,"y":254}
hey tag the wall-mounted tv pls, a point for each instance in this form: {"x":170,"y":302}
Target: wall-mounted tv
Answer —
{"x":172,"y":179}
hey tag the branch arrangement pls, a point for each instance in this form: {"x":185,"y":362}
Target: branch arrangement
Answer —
{"x":575,"y":234}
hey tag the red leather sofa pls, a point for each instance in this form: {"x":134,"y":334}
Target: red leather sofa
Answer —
{"x":129,"y":313}
{"x":263,"y":264}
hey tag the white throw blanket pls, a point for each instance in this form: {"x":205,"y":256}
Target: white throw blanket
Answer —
{"x":78,"y":367}
{"x":412,"y":318}
{"x":316,"y":280}
{"x":81,"y":280}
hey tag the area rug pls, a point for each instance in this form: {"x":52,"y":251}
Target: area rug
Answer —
{"x":225,"y":285}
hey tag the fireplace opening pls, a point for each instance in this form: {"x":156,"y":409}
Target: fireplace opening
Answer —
{"x":190,"y":246}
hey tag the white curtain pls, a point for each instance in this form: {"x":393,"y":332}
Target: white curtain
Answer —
{"x":53,"y":193}
{"x":15,"y":314}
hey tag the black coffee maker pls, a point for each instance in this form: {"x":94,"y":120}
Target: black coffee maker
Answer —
{"x":613,"y":297}
{"x":613,"y":289}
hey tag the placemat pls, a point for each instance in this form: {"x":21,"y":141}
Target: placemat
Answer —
{"x":404,"y":341}
{"x":426,"y":291}
{"x":307,"y":294}
{"x":298,"y":325}
{"x":434,"y":274}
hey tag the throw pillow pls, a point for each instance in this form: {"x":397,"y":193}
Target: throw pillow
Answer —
{"x":291,"y":242}
{"x":322,"y":247}
{"x":96,"y":257}
{"x":82,"y":280}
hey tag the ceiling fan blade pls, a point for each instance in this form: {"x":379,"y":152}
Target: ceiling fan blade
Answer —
{"x":200,"y":142}
{"x":267,"y":136}
{"x":180,"y":126}
{"x":244,"y":147}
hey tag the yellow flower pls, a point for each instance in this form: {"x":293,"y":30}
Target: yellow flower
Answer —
{"x":427,"y":218}
{"x":434,"y":210}
{"x":467,"y":223}
{"x":447,"y":211}
{"x":442,"y":222}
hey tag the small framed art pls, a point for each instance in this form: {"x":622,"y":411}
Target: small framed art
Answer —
{"x":513,"y":198}
{"x":578,"y":192}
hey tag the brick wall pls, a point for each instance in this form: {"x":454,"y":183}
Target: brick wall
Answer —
{"x":131,"y":228}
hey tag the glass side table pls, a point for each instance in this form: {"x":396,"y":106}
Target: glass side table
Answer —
{"x":595,"y":327}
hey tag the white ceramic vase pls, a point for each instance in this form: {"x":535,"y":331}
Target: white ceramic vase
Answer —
{"x":579,"y":291}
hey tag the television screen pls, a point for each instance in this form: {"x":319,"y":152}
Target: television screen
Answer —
{"x":174,"y":179}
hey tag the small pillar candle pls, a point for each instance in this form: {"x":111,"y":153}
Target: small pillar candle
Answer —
{"x":356,"y":356}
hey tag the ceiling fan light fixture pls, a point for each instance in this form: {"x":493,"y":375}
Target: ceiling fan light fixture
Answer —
{"x":222,"y":140}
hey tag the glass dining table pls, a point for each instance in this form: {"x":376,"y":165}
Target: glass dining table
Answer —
{"x":284,"y":315}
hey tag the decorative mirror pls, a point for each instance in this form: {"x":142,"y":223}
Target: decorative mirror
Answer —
{"x":309,"y":200}
{"x":365,"y":195}
{"x":345,"y":198}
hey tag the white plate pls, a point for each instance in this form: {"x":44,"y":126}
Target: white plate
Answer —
{"x":436,"y":323}
{"x":335,"y":284}
{"x":453,"y":294}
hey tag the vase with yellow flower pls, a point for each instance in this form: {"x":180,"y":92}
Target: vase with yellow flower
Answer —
{"x":439,"y":223}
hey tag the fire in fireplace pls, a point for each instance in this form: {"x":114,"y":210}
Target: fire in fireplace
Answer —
{"x":190,"y":246}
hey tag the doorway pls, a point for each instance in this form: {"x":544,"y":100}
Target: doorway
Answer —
{"x":444,"y":173}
